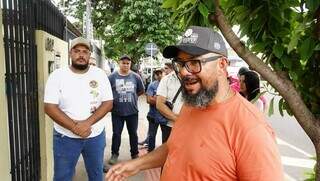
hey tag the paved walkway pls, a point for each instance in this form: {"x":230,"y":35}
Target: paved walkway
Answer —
{"x":124,"y":149}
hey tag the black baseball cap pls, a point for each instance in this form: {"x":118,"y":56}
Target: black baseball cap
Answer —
{"x":197,"y":41}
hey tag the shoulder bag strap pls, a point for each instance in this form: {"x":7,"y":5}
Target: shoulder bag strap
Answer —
{"x":176,"y":96}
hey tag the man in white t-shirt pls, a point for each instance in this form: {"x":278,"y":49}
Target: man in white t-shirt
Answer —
{"x":77,"y":98}
{"x":167,"y":89}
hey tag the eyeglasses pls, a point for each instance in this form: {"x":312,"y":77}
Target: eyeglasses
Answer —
{"x":193,"y":66}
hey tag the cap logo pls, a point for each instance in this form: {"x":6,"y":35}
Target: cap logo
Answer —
{"x":217,"y":45}
{"x":190,"y":37}
{"x":188,"y":33}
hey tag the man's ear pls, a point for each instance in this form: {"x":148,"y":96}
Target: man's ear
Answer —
{"x":223,"y":64}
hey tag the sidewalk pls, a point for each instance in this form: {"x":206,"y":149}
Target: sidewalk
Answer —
{"x":81,"y":174}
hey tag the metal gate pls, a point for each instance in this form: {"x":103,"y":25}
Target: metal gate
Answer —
{"x":21,"y":88}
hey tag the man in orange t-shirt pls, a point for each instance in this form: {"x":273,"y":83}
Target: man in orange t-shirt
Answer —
{"x":218,"y":135}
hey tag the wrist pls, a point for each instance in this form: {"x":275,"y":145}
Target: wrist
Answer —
{"x":138,"y":164}
{"x":73,"y":127}
{"x":90,"y":121}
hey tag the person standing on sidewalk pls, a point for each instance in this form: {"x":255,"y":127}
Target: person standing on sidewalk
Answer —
{"x":218,"y":135}
{"x":167,"y":90}
{"x":77,"y":98}
{"x":153,"y":113}
{"x":127,"y":86}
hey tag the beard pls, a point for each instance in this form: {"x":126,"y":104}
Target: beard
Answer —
{"x":203,"y":97}
{"x":79,"y":66}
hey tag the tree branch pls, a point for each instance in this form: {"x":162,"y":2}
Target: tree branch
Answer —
{"x":281,"y":83}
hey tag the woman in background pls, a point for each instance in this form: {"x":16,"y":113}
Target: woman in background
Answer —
{"x":250,"y":88}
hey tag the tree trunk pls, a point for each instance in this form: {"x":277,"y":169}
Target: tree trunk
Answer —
{"x":281,"y":83}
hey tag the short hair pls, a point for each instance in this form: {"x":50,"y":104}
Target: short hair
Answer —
{"x":168,"y":64}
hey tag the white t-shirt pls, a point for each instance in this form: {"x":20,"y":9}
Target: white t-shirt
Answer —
{"x":78,"y":95}
{"x":168,"y":87}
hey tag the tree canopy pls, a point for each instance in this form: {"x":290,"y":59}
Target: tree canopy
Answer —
{"x":140,"y":22}
{"x":127,"y":26}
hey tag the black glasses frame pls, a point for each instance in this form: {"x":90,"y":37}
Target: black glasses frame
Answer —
{"x":188,"y":63}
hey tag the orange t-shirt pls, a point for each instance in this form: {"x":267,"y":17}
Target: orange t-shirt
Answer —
{"x":223,"y":142}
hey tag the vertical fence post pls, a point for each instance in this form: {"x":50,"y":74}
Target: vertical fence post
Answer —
{"x":21,"y":89}
{"x":5,"y":165}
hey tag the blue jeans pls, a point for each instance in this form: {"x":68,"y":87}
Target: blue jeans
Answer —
{"x":152,"y":133}
{"x":67,"y":151}
{"x":117,"y":127}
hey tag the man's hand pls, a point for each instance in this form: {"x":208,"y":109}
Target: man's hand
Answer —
{"x":82,"y":128}
{"x":122,"y":171}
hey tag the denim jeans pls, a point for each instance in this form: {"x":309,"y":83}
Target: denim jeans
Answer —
{"x":67,"y":151}
{"x":152,"y":133}
{"x":117,"y":127}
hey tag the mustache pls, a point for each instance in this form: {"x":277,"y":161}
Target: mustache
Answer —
{"x":187,"y":79}
{"x":81,"y":59}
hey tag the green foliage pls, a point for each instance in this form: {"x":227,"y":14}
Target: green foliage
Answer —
{"x":127,"y":25}
{"x":104,"y":13}
{"x":271,"y":109}
{"x":190,"y":12}
{"x":284,"y":32}
{"x":311,"y":175}
{"x":140,"y":22}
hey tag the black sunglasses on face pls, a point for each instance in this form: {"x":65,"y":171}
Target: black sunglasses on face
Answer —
{"x":193,"y":65}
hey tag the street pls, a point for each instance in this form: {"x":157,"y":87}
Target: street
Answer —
{"x":294,"y":145}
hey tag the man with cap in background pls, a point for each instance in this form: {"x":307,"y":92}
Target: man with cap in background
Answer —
{"x":218,"y":135}
{"x":153,"y":114}
{"x":127,"y":86}
{"x":167,"y":90}
{"x":77,"y":98}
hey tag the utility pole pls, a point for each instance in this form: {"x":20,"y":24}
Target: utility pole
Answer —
{"x":87,"y":26}
{"x":64,"y":12}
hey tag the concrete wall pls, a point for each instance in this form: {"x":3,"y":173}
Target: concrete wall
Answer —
{"x":48,"y":47}
{"x":4,"y":127}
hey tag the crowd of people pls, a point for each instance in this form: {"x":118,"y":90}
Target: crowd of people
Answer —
{"x":212,"y":125}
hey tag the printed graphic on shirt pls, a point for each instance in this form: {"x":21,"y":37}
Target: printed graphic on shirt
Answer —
{"x":93,"y":84}
{"x":125,"y":90}
{"x":94,"y":95}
